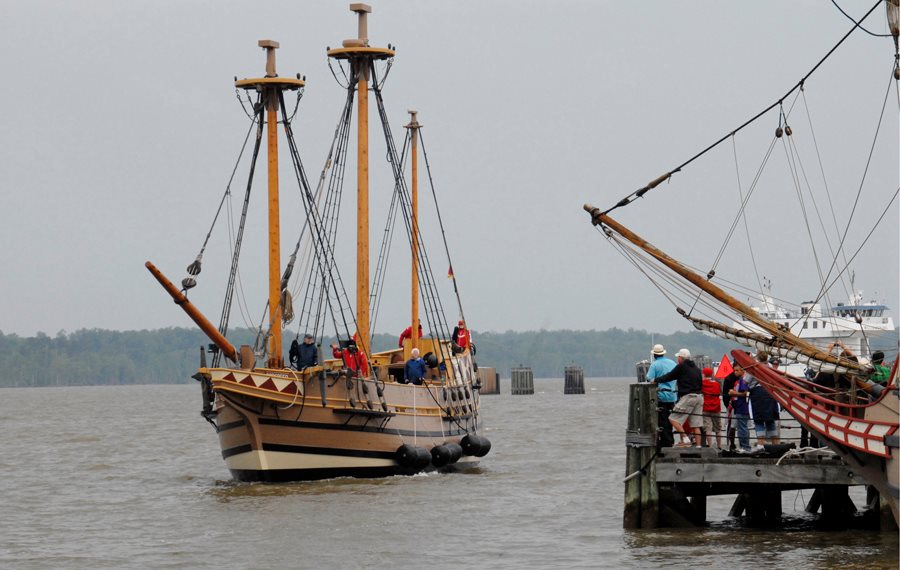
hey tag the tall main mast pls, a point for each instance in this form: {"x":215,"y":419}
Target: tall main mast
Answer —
{"x":361,"y":56}
{"x":271,"y":87}
{"x":414,"y":127}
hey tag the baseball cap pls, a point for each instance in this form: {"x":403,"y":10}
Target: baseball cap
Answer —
{"x":683,"y":353}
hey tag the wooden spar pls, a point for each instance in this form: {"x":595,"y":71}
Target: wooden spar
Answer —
{"x":360,"y":55}
{"x":811,"y":350}
{"x":276,"y":359}
{"x":182,"y":301}
{"x":414,"y":126}
{"x":747,"y":338}
{"x":362,"y":181}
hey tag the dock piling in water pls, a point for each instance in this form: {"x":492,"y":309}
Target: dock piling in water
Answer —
{"x":490,"y":380}
{"x":522,"y":381}
{"x":574,"y":380}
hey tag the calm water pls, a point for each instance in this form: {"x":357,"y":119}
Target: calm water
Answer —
{"x":131,"y":477}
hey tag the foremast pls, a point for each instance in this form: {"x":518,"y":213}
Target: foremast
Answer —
{"x":361,"y":56}
{"x":780,"y":336}
{"x":271,"y":88}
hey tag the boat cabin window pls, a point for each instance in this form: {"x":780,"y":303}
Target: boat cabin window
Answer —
{"x":805,"y":324}
{"x":815,"y":324}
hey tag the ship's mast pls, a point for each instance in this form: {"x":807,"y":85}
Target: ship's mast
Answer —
{"x":361,"y":56}
{"x":271,"y":87}
{"x":414,"y":127}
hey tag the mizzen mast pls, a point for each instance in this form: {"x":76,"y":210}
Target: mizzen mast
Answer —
{"x":271,"y":87}
{"x":414,"y":127}
{"x":361,"y":56}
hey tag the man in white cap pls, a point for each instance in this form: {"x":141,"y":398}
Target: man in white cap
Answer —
{"x":689,"y":409}
{"x":666,"y":394}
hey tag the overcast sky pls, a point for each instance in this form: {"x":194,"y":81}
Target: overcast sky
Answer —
{"x":120,"y":129}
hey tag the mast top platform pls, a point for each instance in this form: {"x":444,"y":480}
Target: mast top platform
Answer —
{"x":271,"y":78}
{"x":358,"y":48}
{"x":413,"y":121}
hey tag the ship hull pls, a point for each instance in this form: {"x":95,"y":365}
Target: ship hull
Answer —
{"x":276,"y":427}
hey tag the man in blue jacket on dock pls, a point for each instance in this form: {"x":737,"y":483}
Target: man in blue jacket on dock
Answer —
{"x":666,"y":394}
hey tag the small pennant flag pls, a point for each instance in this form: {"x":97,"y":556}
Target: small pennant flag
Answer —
{"x":724,"y":368}
{"x":450,"y":272}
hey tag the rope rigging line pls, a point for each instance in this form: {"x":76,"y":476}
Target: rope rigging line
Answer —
{"x":802,"y":170}
{"x":641,"y":191}
{"x":331,"y":213}
{"x":837,"y":231}
{"x":434,"y":313}
{"x":737,"y":171}
{"x":232,"y":275}
{"x":792,"y":158}
{"x":221,"y":202}
{"x":441,"y":224}
{"x":323,"y":251}
{"x":386,"y":242}
{"x":849,"y":17}
{"x":335,"y":161}
{"x":823,"y":290}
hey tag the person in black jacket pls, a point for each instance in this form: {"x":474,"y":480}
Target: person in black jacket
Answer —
{"x":689,"y":409}
{"x":727,"y":386}
{"x":305,"y":354}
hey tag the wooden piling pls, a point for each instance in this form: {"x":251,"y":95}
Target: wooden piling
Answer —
{"x":522,"y":381}
{"x":490,"y":380}
{"x":641,"y":493}
{"x":574,"y":380}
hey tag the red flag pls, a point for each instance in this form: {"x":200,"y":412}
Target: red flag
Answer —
{"x":450,"y":272}
{"x":724,"y":368}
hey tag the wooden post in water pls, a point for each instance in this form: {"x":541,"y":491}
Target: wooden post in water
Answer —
{"x":641,"y":493}
{"x":490,"y":380}
{"x":522,"y":381}
{"x":574,"y":380}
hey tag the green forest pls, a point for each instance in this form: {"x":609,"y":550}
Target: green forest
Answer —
{"x":170,"y":356}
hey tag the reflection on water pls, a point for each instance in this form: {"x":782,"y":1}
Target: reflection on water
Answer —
{"x":137,"y":481}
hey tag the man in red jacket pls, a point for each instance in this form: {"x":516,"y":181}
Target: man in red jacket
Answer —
{"x":461,"y":336}
{"x":712,"y":409}
{"x":353,"y":359}
{"x":407,"y":333}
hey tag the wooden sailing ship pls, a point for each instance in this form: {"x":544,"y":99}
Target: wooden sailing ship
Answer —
{"x":857,"y":417}
{"x":354,"y":414}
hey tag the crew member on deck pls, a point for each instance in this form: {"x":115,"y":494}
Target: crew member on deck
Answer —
{"x":307,"y":355}
{"x":353,"y":359}
{"x":415,"y":368}
{"x":407,"y":333}
{"x":461,"y":336}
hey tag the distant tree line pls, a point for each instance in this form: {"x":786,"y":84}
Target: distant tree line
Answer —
{"x":170,"y":356}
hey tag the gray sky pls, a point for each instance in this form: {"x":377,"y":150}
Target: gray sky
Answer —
{"x":120,"y":129}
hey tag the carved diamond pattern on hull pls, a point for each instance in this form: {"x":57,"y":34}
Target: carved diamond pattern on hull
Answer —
{"x":274,"y":384}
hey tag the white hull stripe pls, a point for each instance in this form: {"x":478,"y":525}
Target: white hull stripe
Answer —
{"x":271,"y":460}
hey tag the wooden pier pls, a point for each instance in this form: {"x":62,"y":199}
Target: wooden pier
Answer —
{"x":574,"y":380}
{"x":669,"y":487}
{"x":522,"y":381}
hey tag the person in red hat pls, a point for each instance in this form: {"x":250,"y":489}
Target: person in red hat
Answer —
{"x":712,"y":409}
{"x":461,"y":336}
